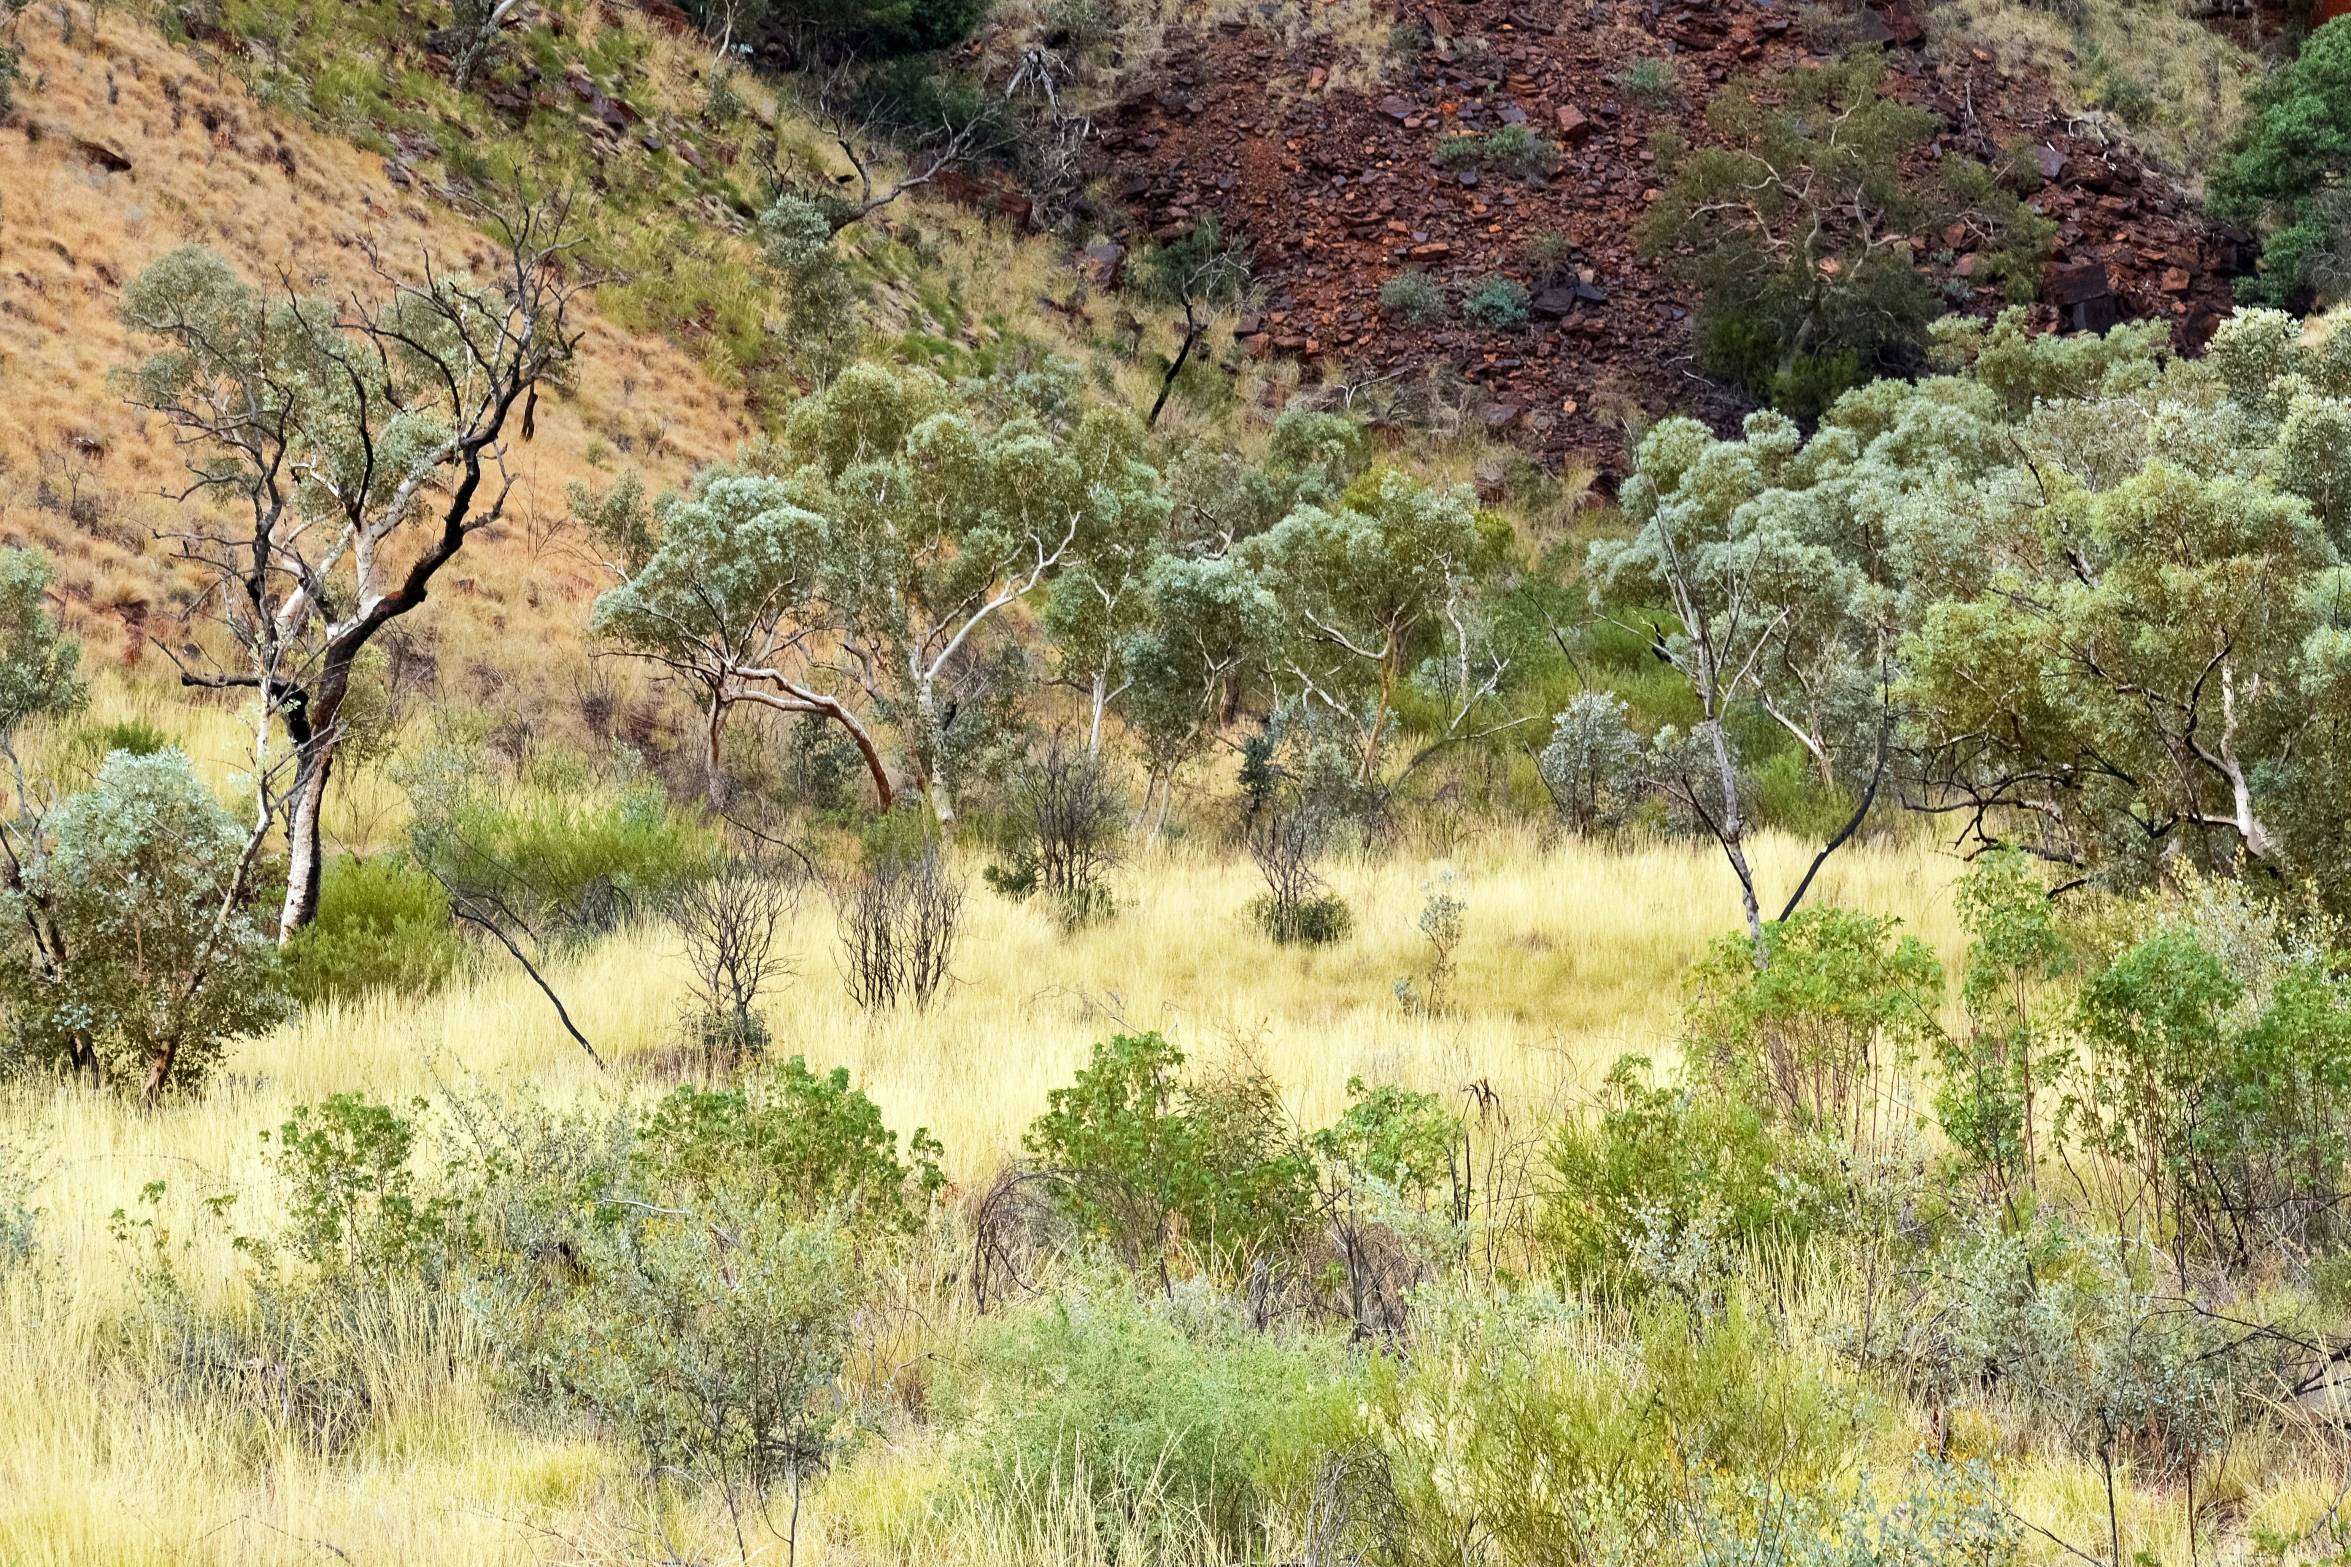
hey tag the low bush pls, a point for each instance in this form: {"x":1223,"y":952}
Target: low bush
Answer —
{"x":1496,"y":302}
{"x":1296,"y":909}
{"x":1151,"y":1161}
{"x":1172,"y":1419}
{"x":1654,"y":1166}
{"x":1412,"y":298}
{"x":1650,"y":81}
{"x":383,"y":924}
{"x":798,"y":1139}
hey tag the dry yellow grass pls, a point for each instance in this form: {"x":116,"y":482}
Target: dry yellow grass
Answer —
{"x":1571,"y":957}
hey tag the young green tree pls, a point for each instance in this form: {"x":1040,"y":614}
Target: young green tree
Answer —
{"x":137,"y":957}
{"x":1207,"y":625}
{"x":340,"y":457}
{"x":1995,"y":1072}
{"x":1359,"y":586}
{"x":2285,"y":171}
{"x":937,"y":523}
{"x":730,"y":599}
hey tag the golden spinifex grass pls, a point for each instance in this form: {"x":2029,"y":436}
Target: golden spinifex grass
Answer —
{"x":1571,"y":957}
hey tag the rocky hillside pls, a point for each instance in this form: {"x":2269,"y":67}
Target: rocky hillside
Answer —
{"x":1340,"y":190}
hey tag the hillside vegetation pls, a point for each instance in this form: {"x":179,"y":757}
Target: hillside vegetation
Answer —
{"x":773,"y":799}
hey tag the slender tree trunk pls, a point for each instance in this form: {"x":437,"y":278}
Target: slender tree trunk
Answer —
{"x":1101,"y":701}
{"x":305,"y":855}
{"x":1734,"y":834}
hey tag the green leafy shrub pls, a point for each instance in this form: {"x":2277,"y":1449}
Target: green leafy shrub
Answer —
{"x":383,"y":924}
{"x":560,"y":861}
{"x":1803,"y":295}
{"x":2217,"y":1066}
{"x":1496,"y":302}
{"x":1170,"y":1419}
{"x":1650,"y":80}
{"x":2012,"y":1051}
{"x":1147,"y":1160}
{"x":1815,"y":1028}
{"x":139,"y":958}
{"x":1412,"y":298}
{"x":806,"y":1142}
{"x":2293,"y":149}
{"x":352,"y":1206}
{"x":1657,"y":1164}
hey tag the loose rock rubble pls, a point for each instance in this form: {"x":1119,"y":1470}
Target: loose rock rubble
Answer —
{"x":1340,"y":191}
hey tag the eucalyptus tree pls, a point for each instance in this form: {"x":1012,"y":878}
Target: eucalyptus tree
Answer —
{"x":340,"y":455}
{"x":1208,"y":626}
{"x":730,"y":600}
{"x":1363,"y":584}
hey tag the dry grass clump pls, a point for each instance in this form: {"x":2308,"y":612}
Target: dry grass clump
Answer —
{"x":2143,"y":71}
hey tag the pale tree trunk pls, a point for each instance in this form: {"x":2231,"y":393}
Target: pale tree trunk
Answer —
{"x":1734,"y":834}
{"x":1101,"y":701}
{"x":931,"y":772}
{"x":305,"y":854}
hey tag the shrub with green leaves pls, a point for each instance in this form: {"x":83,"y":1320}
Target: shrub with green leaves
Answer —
{"x":1496,"y":302}
{"x":1412,"y":298}
{"x":1816,"y":1025}
{"x":2216,"y":1066}
{"x":2285,"y":171}
{"x":1654,"y":1163}
{"x":801,"y":1140}
{"x":1650,"y":80}
{"x":1808,"y":284}
{"x":1170,"y":1419}
{"x":382,"y":924}
{"x":2013,"y":1050}
{"x":1149,"y":1160}
{"x":352,"y":1204}
{"x":138,"y":958}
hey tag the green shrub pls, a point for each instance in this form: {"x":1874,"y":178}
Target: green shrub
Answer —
{"x":1496,"y":302}
{"x":1655,"y":1163}
{"x":1794,"y":306}
{"x":1147,"y":1160}
{"x":352,"y":1206}
{"x":1321,"y":920}
{"x":2292,"y":149}
{"x":1650,"y":80}
{"x":1459,"y":147}
{"x":560,"y":862}
{"x":1815,"y":1029}
{"x":810,"y":1144}
{"x":382,"y":924}
{"x":1171,"y":1420}
{"x":2217,"y":1066}
{"x":1412,"y":298}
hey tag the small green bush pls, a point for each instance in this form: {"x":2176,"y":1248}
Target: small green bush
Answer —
{"x":1171,"y":1419}
{"x":1650,"y":81}
{"x":383,"y":924}
{"x":2292,"y":151}
{"x":1412,"y":298}
{"x":1146,"y":1159}
{"x":1496,"y":302}
{"x":807,"y":1142}
{"x":1319,"y":921}
{"x":1673,"y":1161}
{"x":1459,"y":147}
{"x":1516,"y":150}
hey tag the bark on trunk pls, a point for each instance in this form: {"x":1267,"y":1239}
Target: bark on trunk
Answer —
{"x":305,"y":859}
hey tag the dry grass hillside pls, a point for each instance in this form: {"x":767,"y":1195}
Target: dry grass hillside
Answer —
{"x":125,"y":147}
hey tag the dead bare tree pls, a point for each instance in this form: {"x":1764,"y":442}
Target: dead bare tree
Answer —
{"x":340,"y":454}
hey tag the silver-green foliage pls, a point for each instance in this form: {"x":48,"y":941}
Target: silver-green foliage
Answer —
{"x":137,"y":958}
